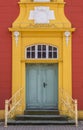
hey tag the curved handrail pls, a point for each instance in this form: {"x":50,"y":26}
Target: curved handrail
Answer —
{"x":12,"y":103}
{"x":71,"y":104}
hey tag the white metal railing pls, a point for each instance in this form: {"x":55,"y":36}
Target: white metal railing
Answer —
{"x":12,"y":104}
{"x":70,"y":104}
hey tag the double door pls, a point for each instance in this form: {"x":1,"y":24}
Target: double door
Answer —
{"x":42,"y":86}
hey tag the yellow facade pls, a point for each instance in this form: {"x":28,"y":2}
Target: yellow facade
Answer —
{"x":49,"y":34}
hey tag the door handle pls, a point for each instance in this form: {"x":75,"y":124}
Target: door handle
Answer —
{"x":44,"y":84}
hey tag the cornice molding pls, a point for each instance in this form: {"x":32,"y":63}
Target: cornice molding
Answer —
{"x":53,"y":2}
{"x":42,"y":29}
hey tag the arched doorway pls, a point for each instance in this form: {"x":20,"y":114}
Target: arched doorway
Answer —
{"x":41,"y":79}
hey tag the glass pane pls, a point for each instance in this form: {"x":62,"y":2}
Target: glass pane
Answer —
{"x":28,"y":49}
{"x":33,"y":48}
{"x":44,"y":47}
{"x":43,"y":54}
{"x":54,"y":54}
{"x":50,"y":48}
{"x":33,"y":54}
{"x":41,"y":51}
{"x":39,"y":47}
{"x":54,"y":49}
{"x":28,"y":54}
{"x":39,"y":54}
{"x":50,"y":54}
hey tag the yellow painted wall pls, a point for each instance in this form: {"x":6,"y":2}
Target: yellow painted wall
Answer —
{"x":50,"y":34}
{"x":2,"y":114}
{"x":64,"y":60}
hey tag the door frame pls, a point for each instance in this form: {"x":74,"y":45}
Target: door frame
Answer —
{"x":64,"y":67}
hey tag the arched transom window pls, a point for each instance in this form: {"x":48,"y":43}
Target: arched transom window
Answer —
{"x":41,"y":51}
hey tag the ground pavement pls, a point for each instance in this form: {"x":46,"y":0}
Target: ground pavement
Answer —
{"x":42,"y":127}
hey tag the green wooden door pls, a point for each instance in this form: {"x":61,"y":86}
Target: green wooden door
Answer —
{"x":42,"y":86}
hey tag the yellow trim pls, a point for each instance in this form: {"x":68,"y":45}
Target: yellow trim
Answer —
{"x":80,"y":114}
{"x":47,"y":3}
{"x":41,"y":61}
{"x":49,"y":34}
{"x":58,"y":1}
{"x":2,"y":114}
{"x":39,"y":29}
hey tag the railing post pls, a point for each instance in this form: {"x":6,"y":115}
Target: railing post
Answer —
{"x":6,"y":112}
{"x":76,"y":113}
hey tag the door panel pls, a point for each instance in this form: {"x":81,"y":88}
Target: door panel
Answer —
{"x":50,"y":90}
{"x":33,"y":92}
{"x":42,"y":85}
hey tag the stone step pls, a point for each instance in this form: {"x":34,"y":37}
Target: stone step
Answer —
{"x":40,"y":122}
{"x":41,"y":117}
{"x":41,"y":112}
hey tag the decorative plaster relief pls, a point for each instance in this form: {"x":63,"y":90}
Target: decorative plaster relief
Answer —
{"x":41,"y":15}
{"x":67,"y":35}
{"x":16,"y":35}
{"x":41,"y":0}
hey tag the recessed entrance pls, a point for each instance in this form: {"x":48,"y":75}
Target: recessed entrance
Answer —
{"x":42,"y":86}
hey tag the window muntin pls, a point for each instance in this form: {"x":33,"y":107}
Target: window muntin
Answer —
{"x":41,"y":52}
